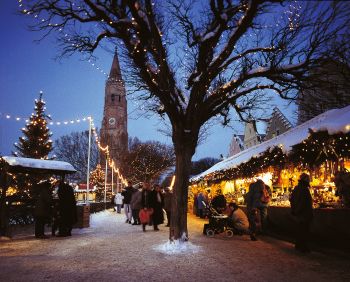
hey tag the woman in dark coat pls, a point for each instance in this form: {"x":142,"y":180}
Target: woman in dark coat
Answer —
{"x":157,"y":202}
{"x":301,"y":206}
{"x":67,"y":208}
{"x":42,"y":210}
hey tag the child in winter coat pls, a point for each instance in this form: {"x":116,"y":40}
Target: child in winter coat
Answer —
{"x":118,"y":200}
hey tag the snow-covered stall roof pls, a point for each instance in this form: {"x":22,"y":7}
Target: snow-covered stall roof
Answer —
{"x":334,"y":121}
{"x":17,"y":164}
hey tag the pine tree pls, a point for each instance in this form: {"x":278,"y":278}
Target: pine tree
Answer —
{"x":36,"y":141}
{"x":97,"y":178}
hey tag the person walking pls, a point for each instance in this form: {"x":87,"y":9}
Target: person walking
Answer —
{"x":257,"y":200}
{"x":118,"y":201}
{"x":219,"y":202}
{"x":127,"y":193}
{"x":302,"y":211}
{"x":136,"y":205}
{"x":42,"y":210}
{"x":67,"y":209}
{"x":146,"y":210}
{"x":156,"y":203}
{"x":201,"y":204}
{"x":167,"y":204}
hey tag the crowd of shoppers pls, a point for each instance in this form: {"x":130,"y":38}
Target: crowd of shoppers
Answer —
{"x":146,"y":205}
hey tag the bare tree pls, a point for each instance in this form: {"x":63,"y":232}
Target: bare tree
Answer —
{"x":202,"y":165}
{"x":73,"y":148}
{"x":147,"y":161}
{"x":196,"y":60}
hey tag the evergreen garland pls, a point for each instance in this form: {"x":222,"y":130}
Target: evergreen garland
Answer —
{"x":314,"y":151}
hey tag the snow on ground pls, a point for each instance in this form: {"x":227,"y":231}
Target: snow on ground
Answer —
{"x":112,"y":250}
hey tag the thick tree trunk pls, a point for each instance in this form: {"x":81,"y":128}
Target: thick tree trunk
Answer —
{"x":184,"y":150}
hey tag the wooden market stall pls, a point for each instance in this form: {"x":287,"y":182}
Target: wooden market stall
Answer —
{"x":14,"y":165}
{"x":320,"y":147}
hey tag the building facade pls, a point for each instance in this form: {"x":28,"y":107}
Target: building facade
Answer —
{"x":251,"y":135}
{"x":277,"y":124}
{"x":114,"y":131}
{"x":327,"y":88}
{"x":236,"y":145}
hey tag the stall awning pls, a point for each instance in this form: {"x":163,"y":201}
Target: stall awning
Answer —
{"x":28,"y":165}
{"x":334,"y":121}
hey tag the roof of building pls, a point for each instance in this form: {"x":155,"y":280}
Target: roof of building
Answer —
{"x":115,"y":68}
{"x":25,"y":165}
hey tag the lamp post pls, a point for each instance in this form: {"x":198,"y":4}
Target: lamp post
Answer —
{"x":112,"y":179}
{"x":106,"y":178}
{"x":88,"y":162}
{"x":118,"y":184}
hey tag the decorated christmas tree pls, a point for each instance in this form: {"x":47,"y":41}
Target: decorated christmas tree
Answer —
{"x":36,"y":141}
{"x":97,"y":178}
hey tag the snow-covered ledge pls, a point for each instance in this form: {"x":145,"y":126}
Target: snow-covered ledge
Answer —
{"x":39,"y":164}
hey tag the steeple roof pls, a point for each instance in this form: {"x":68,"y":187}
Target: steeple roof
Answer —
{"x":115,"y":69}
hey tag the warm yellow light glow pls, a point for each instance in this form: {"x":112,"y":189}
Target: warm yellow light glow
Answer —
{"x":172,"y":183}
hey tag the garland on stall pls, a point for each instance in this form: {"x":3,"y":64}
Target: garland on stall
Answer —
{"x":317,"y":149}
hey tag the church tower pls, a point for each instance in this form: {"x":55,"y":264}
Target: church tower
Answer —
{"x":114,"y":131}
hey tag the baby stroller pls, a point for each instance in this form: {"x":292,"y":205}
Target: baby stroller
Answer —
{"x":218,"y":223}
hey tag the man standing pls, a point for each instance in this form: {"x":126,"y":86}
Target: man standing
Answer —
{"x":156,"y":202}
{"x":67,"y":209}
{"x":136,"y":205}
{"x":127,"y":193}
{"x":219,"y":202}
{"x":42,"y":210}
{"x":301,"y":207}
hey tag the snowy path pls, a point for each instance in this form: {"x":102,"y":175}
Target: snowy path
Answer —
{"x":111,"y":250}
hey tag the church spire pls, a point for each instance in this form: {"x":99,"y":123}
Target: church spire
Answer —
{"x":115,"y":69}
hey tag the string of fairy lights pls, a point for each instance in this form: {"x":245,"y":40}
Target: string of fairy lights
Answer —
{"x":292,"y":13}
{"x":105,"y":149}
{"x":93,"y":64}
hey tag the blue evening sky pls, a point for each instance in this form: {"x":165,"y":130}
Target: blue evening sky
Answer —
{"x":72,"y":87}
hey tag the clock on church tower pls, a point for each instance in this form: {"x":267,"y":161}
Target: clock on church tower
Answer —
{"x":114,"y":132}
{"x":111,"y":121}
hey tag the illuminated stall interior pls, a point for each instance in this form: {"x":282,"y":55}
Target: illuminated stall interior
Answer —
{"x":319,"y":147}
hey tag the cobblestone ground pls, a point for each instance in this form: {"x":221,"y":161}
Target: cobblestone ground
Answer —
{"x":112,"y":250}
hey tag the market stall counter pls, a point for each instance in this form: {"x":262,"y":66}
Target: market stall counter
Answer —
{"x":330,"y":226}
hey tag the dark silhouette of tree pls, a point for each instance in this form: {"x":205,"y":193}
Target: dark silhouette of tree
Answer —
{"x":196,"y":60}
{"x":202,"y":165}
{"x":73,"y":148}
{"x":147,"y":161}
